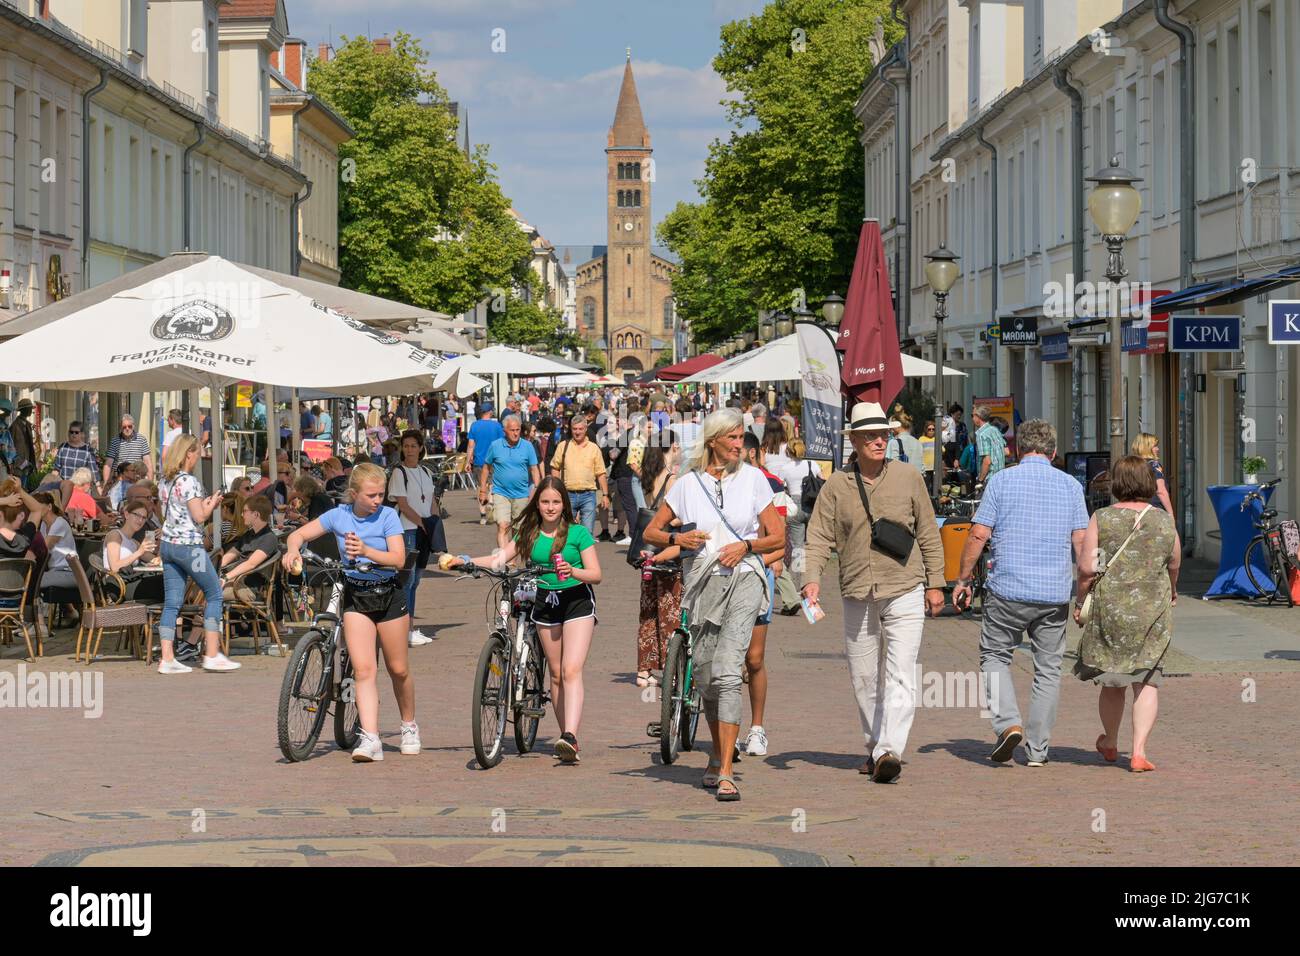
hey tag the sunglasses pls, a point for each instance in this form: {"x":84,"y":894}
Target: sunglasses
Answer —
{"x":74,"y":431}
{"x":873,"y":437}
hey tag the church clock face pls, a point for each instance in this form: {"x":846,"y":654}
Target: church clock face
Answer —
{"x":627,"y":226}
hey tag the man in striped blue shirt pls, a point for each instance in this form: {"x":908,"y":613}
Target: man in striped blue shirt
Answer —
{"x":1034,"y":516}
{"x":128,"y":445}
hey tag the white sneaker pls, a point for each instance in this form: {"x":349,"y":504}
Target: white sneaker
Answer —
{"x":756,"y":744}
{"x":173,"y":666}
{"x":417,"y":638}
{"x":369,"y":749}
{"x":220,"y":663}
{"x":410,"y":739}
{"x":626,"y":539}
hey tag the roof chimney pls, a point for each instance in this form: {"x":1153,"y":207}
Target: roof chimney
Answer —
{"x":293,"y":62}
{"x":383,"y":45}
{"x":323,"y":52}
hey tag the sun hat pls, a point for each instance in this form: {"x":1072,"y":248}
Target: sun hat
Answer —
{"x":868,"y":416}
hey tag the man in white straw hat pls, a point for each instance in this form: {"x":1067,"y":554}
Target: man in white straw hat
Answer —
{"x":877,"y":516}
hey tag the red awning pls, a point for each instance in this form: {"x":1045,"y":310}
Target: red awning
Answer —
{"x":674,"y":373}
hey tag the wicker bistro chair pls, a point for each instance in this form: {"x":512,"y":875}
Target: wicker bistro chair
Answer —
{"x":253,"y":605}
{"x":15,"y":576}
{"x":130,"y":620}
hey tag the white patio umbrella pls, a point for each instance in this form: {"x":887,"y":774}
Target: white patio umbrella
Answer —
{"x":779,"y":361}
{"x":503,"y":360}
{"x":209,"y":322}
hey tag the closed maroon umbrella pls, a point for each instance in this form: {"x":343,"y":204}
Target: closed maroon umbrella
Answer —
{"x":873,"y":367}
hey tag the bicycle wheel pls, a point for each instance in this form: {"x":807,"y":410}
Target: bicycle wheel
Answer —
{"x":1269,"y":585}
{"x":691,"y":715}
{"x":532,"y":704}
{"x":304,"y":698}
{"x":347,"y":722}
{"x":672,"y":707}
{"x":491,"y":695}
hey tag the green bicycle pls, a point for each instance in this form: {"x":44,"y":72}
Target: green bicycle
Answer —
{"x":681,"y":703}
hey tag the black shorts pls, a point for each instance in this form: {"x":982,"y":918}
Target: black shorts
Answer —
{"x":556,"y":606}
{"x":396,"y":605}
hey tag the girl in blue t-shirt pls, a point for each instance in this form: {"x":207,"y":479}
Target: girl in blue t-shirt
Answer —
{"x":370,"y":540}
{"x":565,"y":610}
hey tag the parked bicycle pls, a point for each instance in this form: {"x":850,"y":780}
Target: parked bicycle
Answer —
{"x":682,"y":702}
{"x":1269,"y":555}
{"x":313,"y":683}
{"x":511,"y":684}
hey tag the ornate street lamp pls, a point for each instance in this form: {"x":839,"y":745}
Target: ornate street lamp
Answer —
{"x":749,"y":336}
{"x":1114,"y":206}
{"x":767,"y":330}
{"x":833,"y":309}
{"x":784,"y":325}
{"x":941,"y":271}
{"x":479,"y":338}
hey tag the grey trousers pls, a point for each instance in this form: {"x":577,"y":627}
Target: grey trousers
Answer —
{"x":719,"y":649}
{"x":1005,"y":623}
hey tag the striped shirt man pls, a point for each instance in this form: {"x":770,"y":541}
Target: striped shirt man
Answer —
{"x":127,"y":445}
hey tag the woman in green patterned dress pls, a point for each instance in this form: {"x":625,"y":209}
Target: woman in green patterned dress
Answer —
{"x":1131,"y":623}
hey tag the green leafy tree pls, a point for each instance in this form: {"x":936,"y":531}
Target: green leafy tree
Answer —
{"x":520,"y":320}
{"x":419,"y":221}
{"x":782,"y":195}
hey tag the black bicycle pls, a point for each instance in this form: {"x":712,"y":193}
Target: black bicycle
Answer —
{"x":310,"y":689}
{"x":1268,"y":561}
{"x":511,"y":684}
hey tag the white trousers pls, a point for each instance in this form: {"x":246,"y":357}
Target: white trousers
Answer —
{"x":882,"y":640}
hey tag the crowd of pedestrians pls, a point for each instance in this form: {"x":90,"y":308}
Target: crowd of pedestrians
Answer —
{"x":720,"y":511}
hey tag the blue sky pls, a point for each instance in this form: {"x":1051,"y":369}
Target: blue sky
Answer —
{"x":545,"y":104}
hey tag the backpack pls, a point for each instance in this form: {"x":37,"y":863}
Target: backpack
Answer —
{"x":812,"y":486}
{"x":902,"y":455}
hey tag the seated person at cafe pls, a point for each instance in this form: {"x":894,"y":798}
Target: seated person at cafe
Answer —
{"x":129,"y":549}
{"x":80,"y":499}
{"x":250,"y":549}
{"x":307,"y":501}
{"x":20,"y":519}
{"x":127,"y":473}
{"x":336,"y":482}
{"x":147,"y":492}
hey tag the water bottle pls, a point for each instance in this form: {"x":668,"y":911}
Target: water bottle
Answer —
{"x":559,"y":575}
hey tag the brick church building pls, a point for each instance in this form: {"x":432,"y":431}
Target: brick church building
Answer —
{"x":623,"y":290}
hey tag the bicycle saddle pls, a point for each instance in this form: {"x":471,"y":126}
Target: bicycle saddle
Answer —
{"x":1267,"y":514}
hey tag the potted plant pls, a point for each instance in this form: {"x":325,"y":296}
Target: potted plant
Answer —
{"x":1252,"y":465}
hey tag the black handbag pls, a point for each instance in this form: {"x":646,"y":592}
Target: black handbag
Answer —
{"x":643,"y":518}
{"x":888,"y":536}
{"x":371,"y":600}
{"x":812,"y":486}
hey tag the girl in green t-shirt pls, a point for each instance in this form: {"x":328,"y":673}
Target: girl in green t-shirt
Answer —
{"x":565,"y":611}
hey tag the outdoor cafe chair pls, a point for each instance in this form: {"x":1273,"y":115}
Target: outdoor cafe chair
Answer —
{"x":15,"y":576}
{"x":129,"y":620}
{"x":253,"y":605}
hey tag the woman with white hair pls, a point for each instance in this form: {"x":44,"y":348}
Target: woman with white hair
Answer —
{"x":729,"y":522}
{"x":80,"y":503}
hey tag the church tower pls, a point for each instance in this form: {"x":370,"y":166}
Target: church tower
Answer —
{"x":629,"y":177}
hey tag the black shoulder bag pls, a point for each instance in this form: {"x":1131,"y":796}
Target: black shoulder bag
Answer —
{"x":812,"y":486}
{"x":643,"y":518}
{"x":888,"y":536}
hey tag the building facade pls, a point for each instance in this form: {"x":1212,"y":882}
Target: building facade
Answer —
{"x":1195,"y":92}
{"x":130,"y":130}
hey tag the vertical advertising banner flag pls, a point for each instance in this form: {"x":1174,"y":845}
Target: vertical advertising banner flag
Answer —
{"x":819,"y":387}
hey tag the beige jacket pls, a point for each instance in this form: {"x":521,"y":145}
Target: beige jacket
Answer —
{"x":839,"y":523}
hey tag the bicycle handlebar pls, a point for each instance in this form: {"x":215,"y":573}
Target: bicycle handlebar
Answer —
{"x":1257,"y":495}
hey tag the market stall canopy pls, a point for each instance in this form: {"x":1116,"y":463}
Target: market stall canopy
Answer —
{"x":194,"y":320}
{"x":675,"y":373}
{"x":779,"y":361}
{"x":503,"y":360}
